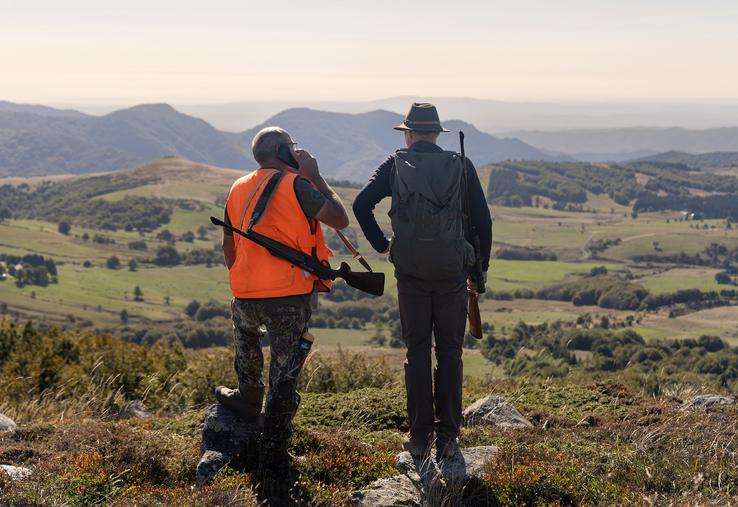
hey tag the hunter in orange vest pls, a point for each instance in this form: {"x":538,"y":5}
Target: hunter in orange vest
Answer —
{"x":286,"y":199}
{"x":256,"y":273}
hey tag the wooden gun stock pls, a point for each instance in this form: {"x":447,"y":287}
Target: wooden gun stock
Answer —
{"x":475,"y":320}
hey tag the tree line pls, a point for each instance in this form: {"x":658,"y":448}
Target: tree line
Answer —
{"x":557,"y":346}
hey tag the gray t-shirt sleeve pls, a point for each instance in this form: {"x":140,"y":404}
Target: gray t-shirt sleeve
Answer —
{"x":310,"y":199}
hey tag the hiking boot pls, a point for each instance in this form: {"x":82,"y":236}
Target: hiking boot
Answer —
{"x":245,"y":401}
{"x":446,"y":449}
{"x":418,"y":447}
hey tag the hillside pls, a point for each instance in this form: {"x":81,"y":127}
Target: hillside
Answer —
{"x":628,"y":143}
{"x":353,"y":146}
{"x":600,"y":326}
{"x":554,"y":224}
{"x":40,"y":110}
{"x":42,"y":141}
{"x":80,"y":434}
{"x":699,"y":161}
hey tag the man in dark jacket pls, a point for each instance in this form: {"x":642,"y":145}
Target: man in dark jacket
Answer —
{"x":433,"y":301}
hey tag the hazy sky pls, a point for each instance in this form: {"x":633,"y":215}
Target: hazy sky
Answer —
{"x":183,"y":51}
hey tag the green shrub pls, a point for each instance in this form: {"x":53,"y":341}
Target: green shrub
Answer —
{"x":370,"y":409}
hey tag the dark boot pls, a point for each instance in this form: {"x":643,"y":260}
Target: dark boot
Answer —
{"x":418,"y":446}
{"x":245,"y":402}
{"x":275,"y":475}
{"x":446,"y":448}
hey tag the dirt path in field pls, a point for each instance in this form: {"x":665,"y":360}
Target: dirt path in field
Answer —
{"x":586,"y":254}
{"x":639,"y":236}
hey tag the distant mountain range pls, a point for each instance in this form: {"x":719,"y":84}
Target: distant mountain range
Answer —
{"x":628,"y":143}
{"x":10,"y":107}
{"x":699,"y":161}
{"x":493,"y":116}
{"x":36,"y":140}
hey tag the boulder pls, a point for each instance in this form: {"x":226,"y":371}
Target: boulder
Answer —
{"x":226,"y":440}
{"x":467,"y":465}
{"x":462,"y":467}
{"x":134,"y":410}
{"x":7,"y":424}
{"x":494,"y":411}
{"x":443,"y":483}
{"x":423,"y":472}
{"x":397,"y":491}
{"x":709,"y":400}
{"x":16,"y":473}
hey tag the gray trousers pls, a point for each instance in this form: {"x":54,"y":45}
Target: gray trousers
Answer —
{"x":433,"y":308}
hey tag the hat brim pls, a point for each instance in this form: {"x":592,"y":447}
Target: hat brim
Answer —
{"x":421,"y":128}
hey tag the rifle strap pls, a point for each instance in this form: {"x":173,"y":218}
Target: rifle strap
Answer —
{"x":264,"y":199}
{"x":251,"y":196}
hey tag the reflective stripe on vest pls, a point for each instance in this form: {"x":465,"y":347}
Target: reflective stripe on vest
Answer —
{"x":256,"y":273}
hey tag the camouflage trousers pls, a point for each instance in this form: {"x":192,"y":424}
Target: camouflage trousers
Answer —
{"x":285,"y":326}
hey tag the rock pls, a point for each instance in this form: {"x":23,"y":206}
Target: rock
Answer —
{"x":495,"y":411}
{"x":7,"y":424}
{"x":463,"y":466}
{"x":709,"y":400}
{"x":394,"y":491}
{"x":423,"y":472}
{"x":226,"y":440}
{"x":467,"y":464}
{"x":444,"y":483}
{"x":134,"y":410}
{"x":211,"y":462}
{"x":16,"y":473}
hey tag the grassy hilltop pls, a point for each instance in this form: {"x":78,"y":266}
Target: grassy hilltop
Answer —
{"x":597,"y":439}
{"x":609,"y":305}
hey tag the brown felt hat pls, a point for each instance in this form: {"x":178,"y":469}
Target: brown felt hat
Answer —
{"x":422,"y":117}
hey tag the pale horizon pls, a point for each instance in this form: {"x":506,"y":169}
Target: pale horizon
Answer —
{"x":83,"y":52}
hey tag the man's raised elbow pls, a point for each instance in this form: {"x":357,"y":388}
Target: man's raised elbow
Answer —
{"x":342,"y":223}
{"x":356,"y":206}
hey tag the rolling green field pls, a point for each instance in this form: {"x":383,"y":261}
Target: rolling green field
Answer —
{"x":506,"y":275}
{"x":681,"y":278}
{"x":98,"y":294}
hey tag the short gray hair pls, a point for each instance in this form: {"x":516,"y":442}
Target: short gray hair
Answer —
{"x":264,"y":145}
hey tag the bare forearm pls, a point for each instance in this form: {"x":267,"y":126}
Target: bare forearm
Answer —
{"x":229,"y":251}
{"x":338,"y":215}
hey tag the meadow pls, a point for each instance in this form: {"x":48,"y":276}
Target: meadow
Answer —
{"x":90,"y":292}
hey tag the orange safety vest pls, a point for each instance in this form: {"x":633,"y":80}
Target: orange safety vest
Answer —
{"x":257,"y":273}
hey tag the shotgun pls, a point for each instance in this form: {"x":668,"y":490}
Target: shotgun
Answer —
{"x":354,"y":252}
{"x":476,"y":274}
{"x":371,"y":283}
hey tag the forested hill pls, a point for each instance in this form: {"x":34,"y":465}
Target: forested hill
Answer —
{"x":35,"y":140}
{"x":699,"y":161}
{"x":647,"y":186}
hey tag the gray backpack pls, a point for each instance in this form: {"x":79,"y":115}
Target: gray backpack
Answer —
{"x":427,"y":216}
